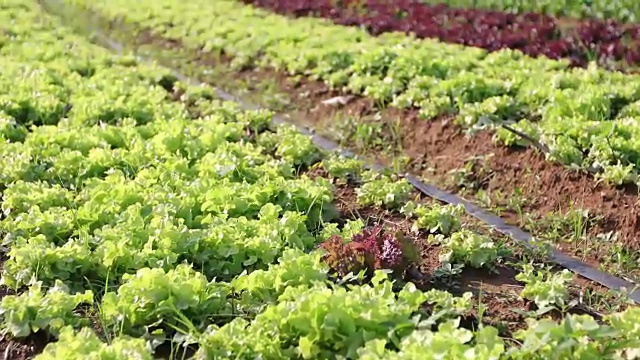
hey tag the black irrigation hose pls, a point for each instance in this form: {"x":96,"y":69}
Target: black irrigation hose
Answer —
{"x":496,"y":222}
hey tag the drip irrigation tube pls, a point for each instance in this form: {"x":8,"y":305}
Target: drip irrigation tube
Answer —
{"x":496,"y":222}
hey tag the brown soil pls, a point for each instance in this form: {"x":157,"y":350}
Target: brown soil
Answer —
{"x":13,"y":349}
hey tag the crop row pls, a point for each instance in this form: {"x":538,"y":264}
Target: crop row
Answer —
{"x":609,"y":43}
{"x":621,"y":10}
{"x":584,"y":117}
{"x":151,"y":212}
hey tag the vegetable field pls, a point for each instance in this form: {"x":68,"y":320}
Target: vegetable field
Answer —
{"x":143,"y":217}
{"x":550,"y":146}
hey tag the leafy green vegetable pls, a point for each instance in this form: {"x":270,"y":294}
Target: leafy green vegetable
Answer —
{"x":381,"y":190}
{"x":467,"y":247}
{"x":36,"y":310}
{"x":153,"y":297}
{"x":544,"y":288}
{"x":84,"y":344}
{"x":318,"y":322}
{"x":438,"y":218}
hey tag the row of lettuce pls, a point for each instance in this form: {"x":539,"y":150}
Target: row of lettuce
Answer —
{"x":133,"y":219}
{"x":584,"y":117}
{"x":620,"y":10}
{"x":610,"y":44}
